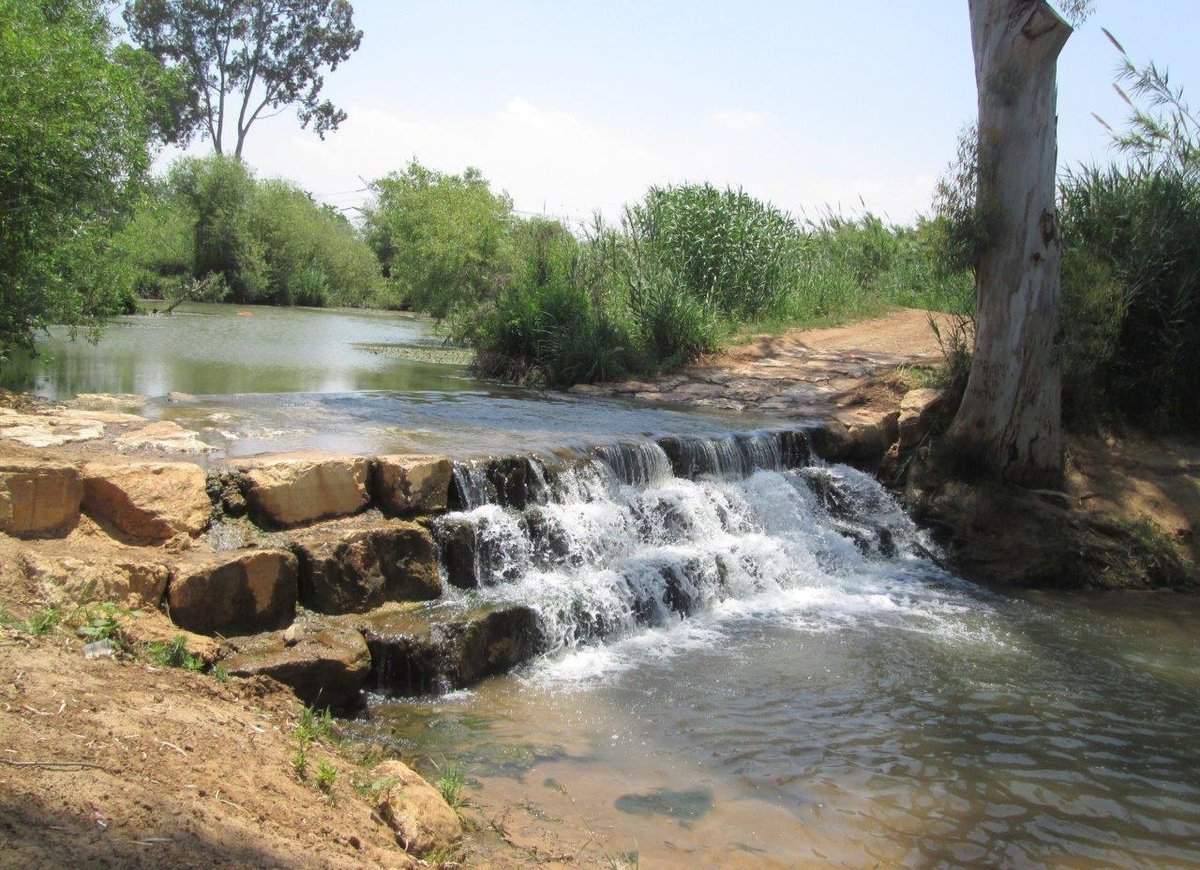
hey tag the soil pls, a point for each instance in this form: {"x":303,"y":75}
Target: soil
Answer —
{"x":114,"y":762}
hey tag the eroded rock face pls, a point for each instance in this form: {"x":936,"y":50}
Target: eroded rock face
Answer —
{"x":917,"y":411}
{"x":365,"y":568}
{"x":430,"y":650}
{"x":148,"y":500}
{"x":415,"y":810}
{"x":38,"y":498}
{"x":234,"y":593}
{"x":127,"y":582}
{"x":296,"y":488}
{"x":411,"y":484}
{"x":323,"y":662}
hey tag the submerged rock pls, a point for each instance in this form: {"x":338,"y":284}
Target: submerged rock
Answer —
{"x":38,"y":498}
{"x":296,"y":488}
{"x":323,"y":662}
{"x":362,"y":569}
{"x":239,"y":593}
{"x":148,"y":500}
{"x":415,"y":810}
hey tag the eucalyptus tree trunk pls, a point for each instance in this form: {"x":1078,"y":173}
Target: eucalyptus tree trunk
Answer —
{"x":1010,"y":422}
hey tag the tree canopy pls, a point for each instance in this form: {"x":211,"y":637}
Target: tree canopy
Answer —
{"x":72,"y":151}
{"x":245,"y":60}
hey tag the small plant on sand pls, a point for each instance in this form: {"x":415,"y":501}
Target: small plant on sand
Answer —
{"x":326,"y":776}
{"x":102,"y":623}
{"x":174,"y":654}
{"x":314,"y":725}
{"x":219,"y":673}
{"x":42,"y":622}
{"x":300,"y":763}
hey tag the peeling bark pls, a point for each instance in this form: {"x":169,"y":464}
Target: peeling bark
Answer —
{"x":1010,"y":422}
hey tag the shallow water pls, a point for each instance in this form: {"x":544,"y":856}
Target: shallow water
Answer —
{"x":816,"y":701}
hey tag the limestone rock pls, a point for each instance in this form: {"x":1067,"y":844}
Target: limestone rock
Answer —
{"x":917,"y":411}
{"x":295,"y":488}
{"x":323,"y":662}
{"x":364,"y":568}
{"x":411,"y":484}
{"x":415,"y":810}
{"x":125,"y":582}
{"x":148,"y":500}
{"x":234,"y":593}
{"x":38,"y":498}
{"x":164,"y":435}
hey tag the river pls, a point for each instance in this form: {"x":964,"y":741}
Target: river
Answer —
{"x":747,"y":666}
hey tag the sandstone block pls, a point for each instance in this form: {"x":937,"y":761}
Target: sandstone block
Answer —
{"x":239,"y":594}
{"x":917,"y":411}
{"x":411,"y":484}
{"x":415,"y":810}
{"x":362,"y":569}
{"x":127,"y":582}
{"x":324,"y":663}
{"x":296,"y":488}
{"x":148,"y":500}
{"x":38,"y":498}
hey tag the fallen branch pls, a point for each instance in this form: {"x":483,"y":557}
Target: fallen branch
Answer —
{"x":56,"y":765}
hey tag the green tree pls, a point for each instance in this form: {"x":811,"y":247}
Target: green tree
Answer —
{"x":72,"y":152}
{"x":242,"y":58}
{"x":443,"y":240}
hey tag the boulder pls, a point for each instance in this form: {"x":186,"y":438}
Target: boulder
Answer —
{"x":234,"y":593}
{"x":296,"y":488}
{"x":415,"y":810}
{"x":359,"y":570}
{"x":416,"y":651}
{"x":148,"y":500}
{"x":460,"y":549}
{"x":68,"y":580}
{"x":38,"y":498}
{"x":411,"y":484}
{"x":324,"y":663}
{"x":918,"y":409}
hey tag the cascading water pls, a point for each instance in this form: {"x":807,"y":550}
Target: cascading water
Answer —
{"x":643,"y":534}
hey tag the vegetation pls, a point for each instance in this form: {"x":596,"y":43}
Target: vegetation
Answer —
{"x":444,"y":241}
{"x":237,"y":59}
{"x":174,"y":654}
{"x":263,"y":241}
{"x":73,"y":149}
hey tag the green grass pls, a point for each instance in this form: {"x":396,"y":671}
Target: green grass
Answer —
{"x":313,"y":726}
{"x":451,"y":783}
{"x":42,"y":622}
{"x":173,"y":654}
{"x":326,"y":776}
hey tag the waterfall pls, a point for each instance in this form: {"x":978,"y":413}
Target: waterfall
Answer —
{"x":640,"y":534}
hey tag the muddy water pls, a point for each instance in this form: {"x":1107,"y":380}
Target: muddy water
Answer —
{"x":821,"y":700}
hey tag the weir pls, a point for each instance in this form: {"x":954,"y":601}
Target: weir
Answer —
{"x":593,"y":545}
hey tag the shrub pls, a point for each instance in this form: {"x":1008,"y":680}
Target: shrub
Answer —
{"x":443,"y":240}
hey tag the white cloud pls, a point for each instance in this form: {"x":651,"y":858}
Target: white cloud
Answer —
{"x":737,"y":120}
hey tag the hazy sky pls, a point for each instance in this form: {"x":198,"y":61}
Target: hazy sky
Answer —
{"x":573,"y":107}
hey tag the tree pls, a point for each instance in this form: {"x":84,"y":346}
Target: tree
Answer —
{"x":244,"y":57}
{"x":443,"y":240}
{"x":72,"y":153}
{"x":1009,"y":424}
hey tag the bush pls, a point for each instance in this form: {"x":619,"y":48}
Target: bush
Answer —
{"x":444,"y":241}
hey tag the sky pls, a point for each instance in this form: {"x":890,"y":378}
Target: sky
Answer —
{"x":575,"y":107}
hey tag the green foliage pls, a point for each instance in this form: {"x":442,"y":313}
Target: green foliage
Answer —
{"x":314,"y":725}
{"x":326,"y":776}
{"x":240,"y":58}
{"x":444,"y":241}
{"x":300,"y":762}
{"x":451,"y":783}
{"x":268,"y":241}
{"x":727,"y":250}
{"x":173,"y":654}
{"x":72,"y":151}
{"x":42,"y":622}
{"x":103,"y":624}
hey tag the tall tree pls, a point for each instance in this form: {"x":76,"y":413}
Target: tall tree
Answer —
{"x":249,"y":59}
{"x":1009,"y":424}
{"x":72,"y":152}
